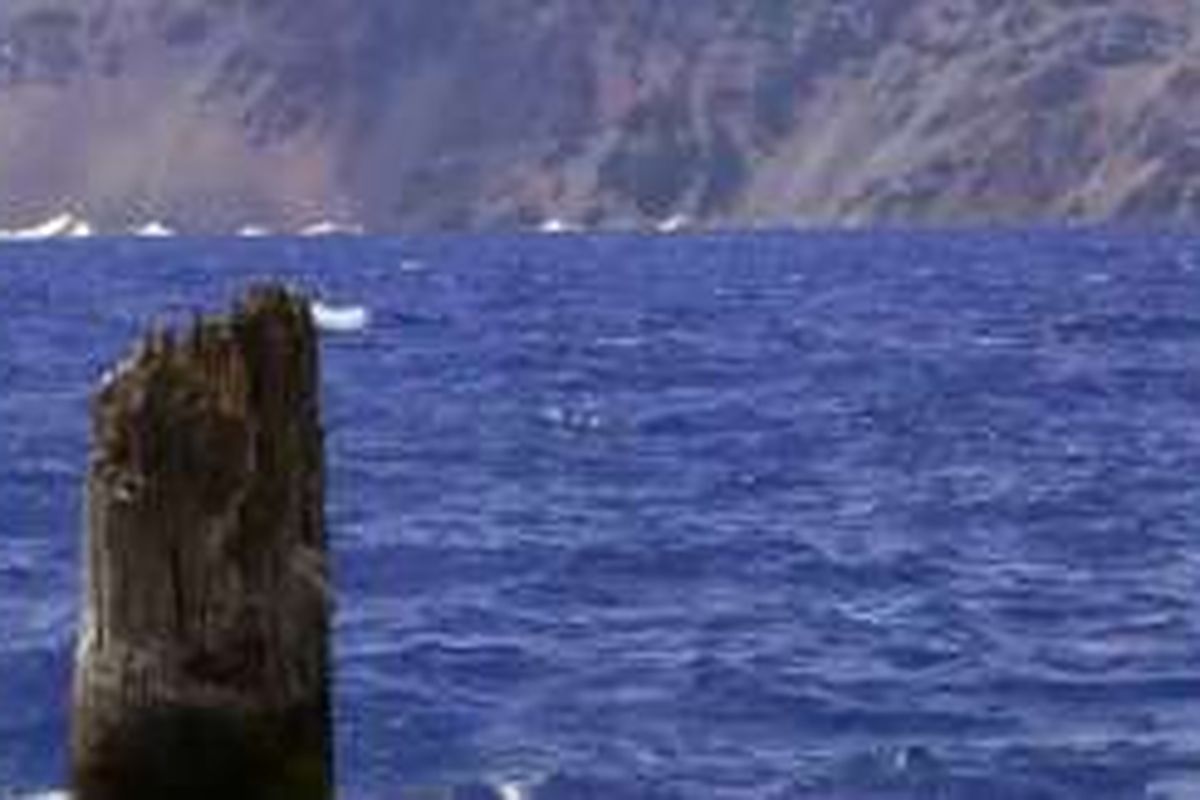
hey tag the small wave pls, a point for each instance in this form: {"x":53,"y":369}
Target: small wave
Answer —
{"x":556,"y":225}
{"x":1137,"y":327}
{"x":675,"y":224}
{"x":153,"y":230}
{"x":332,"y":228}
{"x":620,"y":342}
{"x":340,"y":319}
{"x":61,"y":226}
{"x":1177,"y":787}
{"x":511,"y":790}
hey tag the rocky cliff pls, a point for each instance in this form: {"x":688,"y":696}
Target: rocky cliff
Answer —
{"x":475,"y":114}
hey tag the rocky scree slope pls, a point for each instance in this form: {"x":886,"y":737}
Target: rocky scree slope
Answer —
{"x":478,"y":114}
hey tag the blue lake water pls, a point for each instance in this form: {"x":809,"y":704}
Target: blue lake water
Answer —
{"x":890,"y":517}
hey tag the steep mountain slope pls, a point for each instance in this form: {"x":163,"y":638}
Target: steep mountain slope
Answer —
{"x":467,"y":114}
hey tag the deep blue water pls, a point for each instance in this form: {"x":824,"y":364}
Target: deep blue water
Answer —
{"x":890,"y":516}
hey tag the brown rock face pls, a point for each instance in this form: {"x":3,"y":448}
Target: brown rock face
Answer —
{"x":202,"y":663}
{"x":406,"y":114}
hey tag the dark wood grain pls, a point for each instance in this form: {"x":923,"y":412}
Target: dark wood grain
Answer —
{"x":202,"y":668}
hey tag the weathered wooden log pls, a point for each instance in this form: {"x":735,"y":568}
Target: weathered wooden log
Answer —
{"x":202,"y":666}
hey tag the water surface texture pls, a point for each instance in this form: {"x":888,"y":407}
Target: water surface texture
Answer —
{"x":880,"y":517}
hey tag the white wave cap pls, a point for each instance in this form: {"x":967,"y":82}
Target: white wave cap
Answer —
{"x":331,"y":228}
{"x":556,"y":225}
{"x":81,"y":229}
{"x":153,"y":230}
{"x":61,"y":226}
{"x":674,"y":224}
{"x":513,"y":791}
{"x":340,"y":319}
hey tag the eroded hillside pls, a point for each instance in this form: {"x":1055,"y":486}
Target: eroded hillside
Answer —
{"x":469,"y":114}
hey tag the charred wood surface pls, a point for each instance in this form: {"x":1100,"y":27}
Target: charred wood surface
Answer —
{"x":202,"y":664}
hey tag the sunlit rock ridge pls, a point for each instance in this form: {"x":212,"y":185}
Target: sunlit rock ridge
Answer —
{"x":400,"y":115}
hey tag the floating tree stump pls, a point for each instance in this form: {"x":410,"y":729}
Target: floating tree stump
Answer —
{"x":202,"y":668}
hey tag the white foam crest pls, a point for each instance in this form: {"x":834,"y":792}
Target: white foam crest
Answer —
{"x":153,"y":230}
{"x":556,"y":225}
{"x":61,"y":226}
{"x":512,"y":791}
{"x":82,"y":229}
{"x":340,"y":319}
{"x":674,"y":224}
{"x":331,"y":228}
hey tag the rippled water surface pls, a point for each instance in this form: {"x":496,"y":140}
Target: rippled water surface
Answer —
{"x":888,"y":517}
